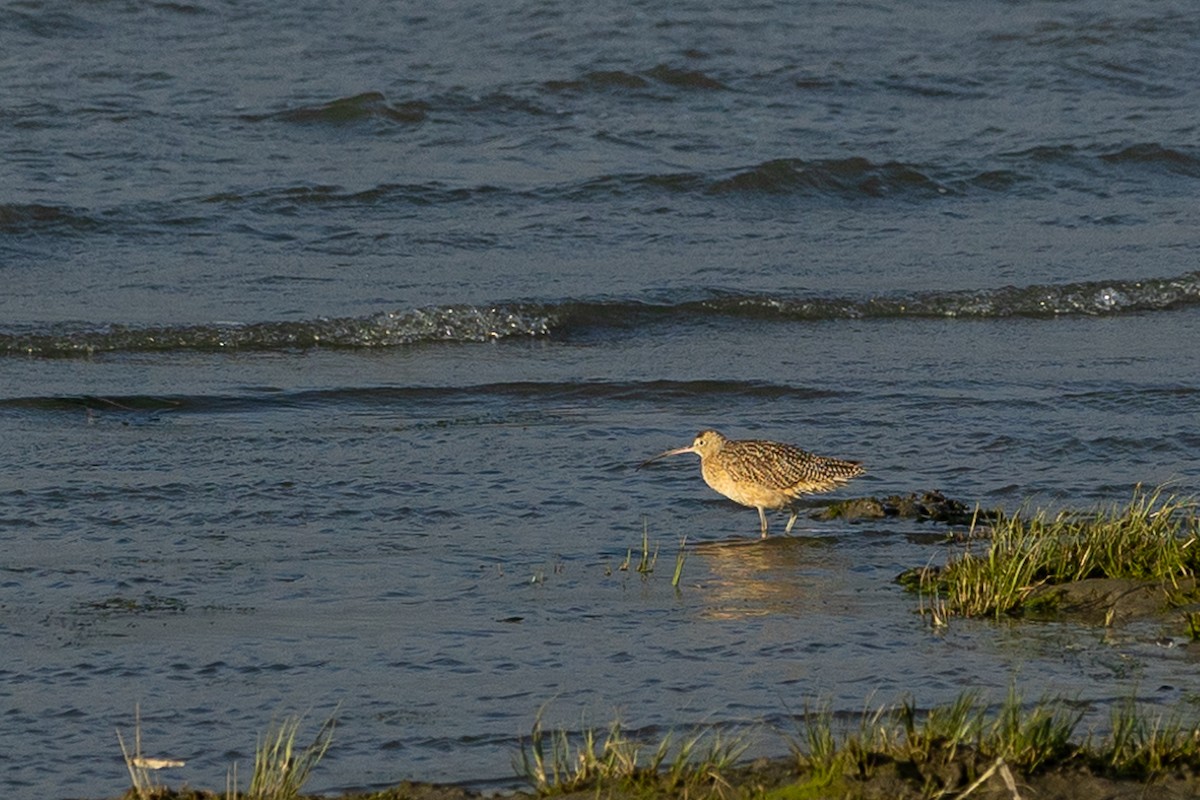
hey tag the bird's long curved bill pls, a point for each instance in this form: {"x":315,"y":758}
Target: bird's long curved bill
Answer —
{"x":675,"y":452}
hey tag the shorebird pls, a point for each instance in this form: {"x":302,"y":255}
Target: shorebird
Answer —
{"x":762,"y":474}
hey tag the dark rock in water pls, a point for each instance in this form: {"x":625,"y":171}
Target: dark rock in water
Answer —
{"x":932,"y":505}
{"x":929,"y":505}
{"x":855,"y":508}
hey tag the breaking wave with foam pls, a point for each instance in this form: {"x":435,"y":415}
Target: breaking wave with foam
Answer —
{"x":473,"y":324}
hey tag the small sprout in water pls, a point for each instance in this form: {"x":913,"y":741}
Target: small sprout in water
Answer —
{"x":680,"y":557}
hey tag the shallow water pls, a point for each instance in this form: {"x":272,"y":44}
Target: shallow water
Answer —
{"x":330,"y":341}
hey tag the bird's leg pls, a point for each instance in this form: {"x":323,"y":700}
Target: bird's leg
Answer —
{"x":762,"y":517}
{"x":791,"y":521}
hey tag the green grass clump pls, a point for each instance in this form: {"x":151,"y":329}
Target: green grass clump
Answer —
{"x":647,"y":560}
{"x":949,"y":750}
{"x":1033,"y":738}
{"x":280,"y":767}
{"x":1152,"y":538}
{"x":968,"y":741}
{"x":613,"y":761}
{"x":1024,"y":738}
{"x":1145,"y":745}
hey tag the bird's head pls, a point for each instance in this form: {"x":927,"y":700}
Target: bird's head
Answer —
{"x":705,"y":444}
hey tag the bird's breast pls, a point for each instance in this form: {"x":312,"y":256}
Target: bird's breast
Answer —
{"x":746,"y":492}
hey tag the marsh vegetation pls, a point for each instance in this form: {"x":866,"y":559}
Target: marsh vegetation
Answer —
{"x":1033,"y":564}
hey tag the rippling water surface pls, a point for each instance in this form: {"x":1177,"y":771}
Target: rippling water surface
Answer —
{"x":330,"y":337}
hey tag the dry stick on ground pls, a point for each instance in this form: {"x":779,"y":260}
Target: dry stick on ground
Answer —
{"x":1005,"y":774}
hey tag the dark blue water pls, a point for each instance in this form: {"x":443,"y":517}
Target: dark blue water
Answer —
{"x":330,"y":336}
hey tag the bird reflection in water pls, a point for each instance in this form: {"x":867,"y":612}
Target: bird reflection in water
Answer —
{"x":755,"y":578}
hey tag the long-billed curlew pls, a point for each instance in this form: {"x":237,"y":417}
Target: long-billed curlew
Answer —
{"x":763,"y":474}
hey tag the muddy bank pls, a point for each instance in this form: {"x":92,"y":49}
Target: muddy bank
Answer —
{"x":1107,"y":601}
{"x":1098,"y":601}
{"x":903,"y":781}
{"x":890,"y":779}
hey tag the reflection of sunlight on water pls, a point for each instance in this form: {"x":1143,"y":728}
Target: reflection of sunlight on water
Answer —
{"x":758,"y":577}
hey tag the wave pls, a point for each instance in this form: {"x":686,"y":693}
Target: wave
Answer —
{"x":1157,"y":156}
{"x":1152,"y":155}
{"x":1090,"y":298}
{"x":853,"y":178}
{"x":288,"y":199}
{"x":375,"y":107}
{"x":843,"y":179}
{"x":437,"y":396}
{"x":18,"y":218}
{"x":599,"y":80}
{"x":343,"y":110}
{"x":466,"y":324}
{"x":458,"y":323}
{"x":846,"y":177}
{"x":620,"y":80}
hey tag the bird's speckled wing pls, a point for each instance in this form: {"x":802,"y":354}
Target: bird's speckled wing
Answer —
{"x":784,"y":467}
